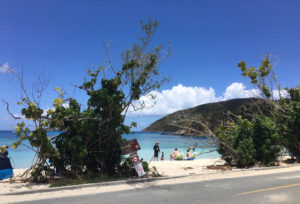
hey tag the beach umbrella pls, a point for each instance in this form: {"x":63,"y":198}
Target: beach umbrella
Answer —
{"x":6,"y":170}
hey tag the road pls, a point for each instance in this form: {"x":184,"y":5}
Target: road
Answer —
{"x":272,"y":188}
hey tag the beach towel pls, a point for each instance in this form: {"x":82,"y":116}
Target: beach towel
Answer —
{"x":180,"y":157}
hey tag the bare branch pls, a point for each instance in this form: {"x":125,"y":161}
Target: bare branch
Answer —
{"x":7,"y":108}
{"x":168,"y":53}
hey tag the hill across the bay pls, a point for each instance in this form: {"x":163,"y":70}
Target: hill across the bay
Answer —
{"x":212,"y":114}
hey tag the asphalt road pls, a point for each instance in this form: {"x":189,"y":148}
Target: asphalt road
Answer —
{"x":273,"y":188}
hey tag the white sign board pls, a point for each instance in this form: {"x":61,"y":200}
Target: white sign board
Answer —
{"x":139,"y":169}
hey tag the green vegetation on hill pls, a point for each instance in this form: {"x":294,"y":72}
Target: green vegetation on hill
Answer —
{"x":211,"y":113}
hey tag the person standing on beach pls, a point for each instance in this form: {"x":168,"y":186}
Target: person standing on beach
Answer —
{"x":156,"y":150}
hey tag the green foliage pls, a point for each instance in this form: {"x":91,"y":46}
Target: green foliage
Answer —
{"x":289,"y":122}
{"x":285,"y":113}
{"x":145,"y":166}
{"x":126,"y":168}
{"x":236,"y":146}
{"x":246,"y":151}
{"x":266,"y":140}
{"x":248,"y":142}
{"x":90,"y":177}
{"x":294,"y":94}
{"x":260,"y":76}
{"x":41,"y":174}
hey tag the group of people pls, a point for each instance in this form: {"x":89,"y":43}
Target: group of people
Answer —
{"x":175,"y":155}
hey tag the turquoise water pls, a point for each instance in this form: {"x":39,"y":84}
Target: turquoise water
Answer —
{"x":22,"y":157}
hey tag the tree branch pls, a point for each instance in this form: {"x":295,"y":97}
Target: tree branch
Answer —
{"x":7,"y":108}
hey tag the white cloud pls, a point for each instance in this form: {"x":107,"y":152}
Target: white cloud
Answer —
{"x":238,"y":90}
{"x":283,"y":93}
{"x":4,"y":68}
{"x":178,"y":98}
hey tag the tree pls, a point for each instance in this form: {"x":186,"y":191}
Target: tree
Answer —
{"x":253,"y":141}
{"x":90,"y":138}
{"x":285,"y":112}
{"x":262,"y":77}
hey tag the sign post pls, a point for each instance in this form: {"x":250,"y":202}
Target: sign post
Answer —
{"x":131,"y":147}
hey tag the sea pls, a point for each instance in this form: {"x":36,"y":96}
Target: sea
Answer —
{"x":22,"y":156}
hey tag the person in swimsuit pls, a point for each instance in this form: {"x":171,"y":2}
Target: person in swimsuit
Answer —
{"x":174,"y":154}
{"x":188,"y":154}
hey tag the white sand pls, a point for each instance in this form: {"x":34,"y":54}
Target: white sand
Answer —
{"x":184,"y":168}
{"x":169,"y":168}
{"x":7,"y":186}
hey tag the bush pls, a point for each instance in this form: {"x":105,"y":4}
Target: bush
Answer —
{"x":249,"y":142}
{"x":266,"y":140}
{"x":41,"y":174}
{"x":292,"y":134}
{"x":145,"y":166}
{"x":289,"y":123}
{"x":236,"y":145}
{"x":127,"y":167}
{"x":246,"y":152}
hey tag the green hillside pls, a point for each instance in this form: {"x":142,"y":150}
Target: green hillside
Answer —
{"x":211,"y":113}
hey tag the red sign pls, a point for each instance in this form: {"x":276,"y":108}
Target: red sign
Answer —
{"x":130,"y":146}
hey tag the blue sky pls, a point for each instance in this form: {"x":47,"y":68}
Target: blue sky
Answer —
{"x":65,"y":38}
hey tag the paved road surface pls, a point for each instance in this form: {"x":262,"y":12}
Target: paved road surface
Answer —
{"x":274,"y":188}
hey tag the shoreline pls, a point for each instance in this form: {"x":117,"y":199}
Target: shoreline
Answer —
{"x":173,"y":133}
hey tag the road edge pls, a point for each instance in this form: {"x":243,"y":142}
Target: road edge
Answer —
{"x":137,"y":180}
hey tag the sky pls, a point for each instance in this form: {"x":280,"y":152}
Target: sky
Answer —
{"x":61,"y":40}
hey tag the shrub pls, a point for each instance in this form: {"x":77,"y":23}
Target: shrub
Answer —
{"x":41,"y":174}
{"x":145,"y":166}
{"x":246,"y":152}
{"x":289,"y":122}
{"x":292,"y":132}
{"x":266,"y":140}
{"x":248,"y":142}
{"x":127,"y":167}
{"x":236,"y":145}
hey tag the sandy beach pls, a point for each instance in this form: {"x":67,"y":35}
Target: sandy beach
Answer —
{"x":185,"y":167}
